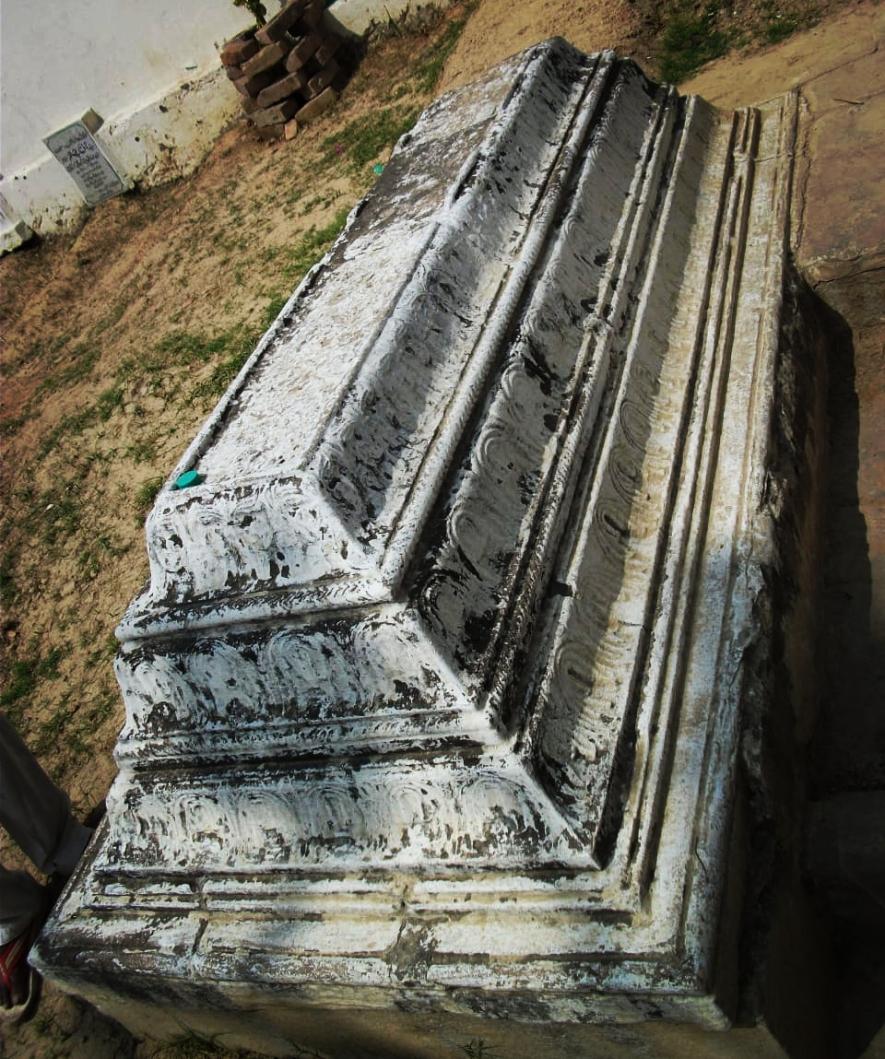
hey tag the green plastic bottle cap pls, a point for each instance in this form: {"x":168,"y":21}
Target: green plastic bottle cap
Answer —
{"x":187,"y":479}
{"x":378,"y":168}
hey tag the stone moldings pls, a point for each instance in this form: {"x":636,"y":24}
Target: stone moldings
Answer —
{"x":433,"y":696}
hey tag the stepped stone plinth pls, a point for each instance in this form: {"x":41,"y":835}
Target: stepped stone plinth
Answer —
{"x":435,"y":696}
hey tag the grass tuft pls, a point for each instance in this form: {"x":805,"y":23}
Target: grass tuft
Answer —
{"x":146,"y":494}
{"x":430,"y":65}
{"x":26,"y":673}
{"x":364,"y":140}
{"x":689,"y":41}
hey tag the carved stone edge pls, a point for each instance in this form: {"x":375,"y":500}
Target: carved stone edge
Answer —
{"x":673,"y":978}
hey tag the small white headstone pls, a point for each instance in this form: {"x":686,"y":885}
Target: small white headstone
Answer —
{"x":13,"y":230}
{"x":87,"y":164}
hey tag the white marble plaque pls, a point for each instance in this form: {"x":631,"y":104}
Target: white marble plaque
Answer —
{"x":86,"y":163}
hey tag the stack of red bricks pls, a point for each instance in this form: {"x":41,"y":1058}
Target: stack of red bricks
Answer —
{"x":287,"y":70}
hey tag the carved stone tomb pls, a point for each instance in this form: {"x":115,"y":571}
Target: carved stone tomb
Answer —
{"x":433,"y":696}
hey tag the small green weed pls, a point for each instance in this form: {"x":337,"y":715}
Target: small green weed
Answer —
{"x":142,"y":450}
{"x":61,"y":512}
{"x":8,"y":587}
{"x":689,"y":41}
{"x":100,"y":411}
{"x":49,"y":733}
{"x":146,"y":495}
{"x":298,"y":261}
{"x":780,"y":22}
{"x":430,"y":65}
{"x":92,"y":558}
{"x":365,"y":138}
{"x":80,"y":364}
{"x":26,"y":673}
{"x":108,"y":401}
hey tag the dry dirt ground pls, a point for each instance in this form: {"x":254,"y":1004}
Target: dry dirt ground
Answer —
{"x":118,"y":341}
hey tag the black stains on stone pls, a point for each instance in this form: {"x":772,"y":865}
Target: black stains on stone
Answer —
{"x":588,"y":304}
{"x":411,"y":955}
{"x":466,"y":561}
{"x":478,"y":631}
{"x":560,"y":588}
{"x":601,"y":259}
{"x":407,"y":694}
{"x":536,"y":367}
{"x":550,"y":421}
{"x":528,"y":485}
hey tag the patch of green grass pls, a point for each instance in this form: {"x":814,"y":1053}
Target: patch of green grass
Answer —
{"x":778,"y":29}
{"x":780,"y":22}
{"x":49,"y":732}
{"x":181,"y":348}
{"x":690,"y":40}
{"x":26,"y":673}
{"x":146,"y":495}
{"x":272,"y":310}
{"x":297,"y":261}
{"x":13,"y":425}
{"x":239,"y":343}
{"x":100,"y":411}
{"x":80,"y":364}
{"x":98,"y":549}
{"x":361,"y":141}
{"x":430,"y":65}
{"x":142,"y":450}
{"x":8,"y":587}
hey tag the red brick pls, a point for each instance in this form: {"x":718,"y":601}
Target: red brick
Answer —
{"x":277,"y":26}
{"x":313,"y":16}
{"x":278,"y":114}
{"x":239,"y":48}
{"x":316,"y":106}
{"x":269,"y":132}
{"x":302,"y":51}
{"x":251,"y":86}
{"x":269,"y":56}
{"x":327,"y":50}
{"x":318,"y":82}
{"x":280,"y":89}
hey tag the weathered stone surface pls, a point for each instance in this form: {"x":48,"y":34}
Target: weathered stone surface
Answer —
{"x":433,"y":696}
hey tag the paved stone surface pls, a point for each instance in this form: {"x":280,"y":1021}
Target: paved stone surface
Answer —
{"x":433,"y":698}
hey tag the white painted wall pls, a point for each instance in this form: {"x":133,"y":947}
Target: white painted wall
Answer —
{"x":150,"y":68}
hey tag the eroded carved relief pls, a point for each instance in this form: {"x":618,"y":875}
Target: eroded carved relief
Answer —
{"x":454,"y":625}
